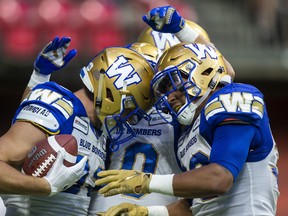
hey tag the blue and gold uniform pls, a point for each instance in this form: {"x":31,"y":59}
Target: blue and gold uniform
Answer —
{"x":232,"y":109}
{"x":151,"y":150}
{"x":56,"y":110}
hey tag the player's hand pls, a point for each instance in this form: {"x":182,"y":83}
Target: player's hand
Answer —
{"x":52,"y":57}
{"x":61,"y":177}
{"x":164,"y":19}
{"x":123,"y":181}
{"x":127,"y":209}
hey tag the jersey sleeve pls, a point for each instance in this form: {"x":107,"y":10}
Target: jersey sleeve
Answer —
{"x":232,"y":123}
{"x":47,"y":107}
{"x":230,"y":150}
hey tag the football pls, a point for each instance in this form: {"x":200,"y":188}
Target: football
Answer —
{"x":41,"y":157}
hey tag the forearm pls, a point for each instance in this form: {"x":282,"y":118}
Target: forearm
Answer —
{"x":14,"y":146}
{"x":206,"y":181}
{"x":189,"y":35}
{"x":14,"y":182}
{"x":181,"y":207}
{"x":25,"y":93}
{"x":35,"y":79}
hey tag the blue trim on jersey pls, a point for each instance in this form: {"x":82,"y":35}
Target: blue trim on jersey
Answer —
{"x":231,"y":145}
{"x":65,"y":124}
{"x":77,"y":124}
{"x":220,"y":112}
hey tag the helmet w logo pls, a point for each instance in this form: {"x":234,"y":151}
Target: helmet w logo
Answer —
{"x":122,"y":69}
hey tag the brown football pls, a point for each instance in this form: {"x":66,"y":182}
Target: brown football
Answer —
{"x":42,"y":156}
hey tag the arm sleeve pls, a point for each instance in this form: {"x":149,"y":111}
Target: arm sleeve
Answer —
{"x":231,"y":144}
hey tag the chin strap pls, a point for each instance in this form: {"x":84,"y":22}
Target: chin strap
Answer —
{"x":193,"y":106}
{"x":213,"y":83}
{"x":98,"y":102}
{"x":211,"y":86}
{"x":200,"y":101}
{"x":123,"y":96}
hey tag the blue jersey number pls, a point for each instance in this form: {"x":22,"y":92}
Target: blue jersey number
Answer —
{"x":148,"y":152}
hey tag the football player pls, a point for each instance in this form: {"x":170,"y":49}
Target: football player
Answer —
{"x":227,"y":152}
{"x":166,"y":159}
{"x":14,"y":145}
{"x":48,"y":110}
{"x":52,"y":109}
{"x":139,"y":138}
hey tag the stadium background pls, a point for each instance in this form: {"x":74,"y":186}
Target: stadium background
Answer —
{"x":252,"y":35}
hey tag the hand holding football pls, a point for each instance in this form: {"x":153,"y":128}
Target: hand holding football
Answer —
{"x":42,"y":156}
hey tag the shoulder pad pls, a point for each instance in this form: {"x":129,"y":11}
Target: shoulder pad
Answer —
{"x":47,"y":106}
{"x":38,"y":115}
{"x":245,"y":106}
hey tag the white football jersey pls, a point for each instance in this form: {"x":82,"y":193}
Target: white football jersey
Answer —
{"x":151,"y":151}
{"x":255,"y":178}
{"x":255,"y":190}
{"x":58,"y":111}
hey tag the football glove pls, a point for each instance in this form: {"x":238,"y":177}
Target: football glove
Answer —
{"x":127,"y":209}
{"x":61,"y":177}
{"x":164,"y":19}
{"x":52,"y":57}
{"x":123,"y":182}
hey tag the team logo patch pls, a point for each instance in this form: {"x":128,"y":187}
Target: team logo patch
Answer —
{"x":81,"y":125}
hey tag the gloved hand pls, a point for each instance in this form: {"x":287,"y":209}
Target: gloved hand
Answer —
{"x":127,"y":209}
{"x":164,"y":19}
{"x":123,"y":181}
{"x":52,"y":57}
{"x":61,"y":177}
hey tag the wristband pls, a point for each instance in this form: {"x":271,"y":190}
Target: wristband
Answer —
{"x":162,"y":184}
{"x":187,"y":34}
{"x":37,"y":78}
{"x":157,"y":210}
